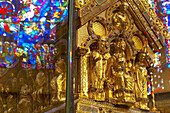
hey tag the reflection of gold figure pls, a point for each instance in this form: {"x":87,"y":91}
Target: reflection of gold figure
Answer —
{"x":58,"y":82}
{"x":40,"y":92}
{"x":61,"y":80}
{"x":54,"y":89}
{"x":141,"y":82}
{"x":24,"y":90}
{"x":10,"y":104}
{"x":24,"y":105}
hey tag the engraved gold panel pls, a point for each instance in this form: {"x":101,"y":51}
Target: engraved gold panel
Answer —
{"x":82,"y":34}
{"x":99,"y":29}
{"x":87,"y":109}
{"x":138,"y":43}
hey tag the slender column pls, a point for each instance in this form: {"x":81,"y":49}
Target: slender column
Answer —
{"x":69,"y":82}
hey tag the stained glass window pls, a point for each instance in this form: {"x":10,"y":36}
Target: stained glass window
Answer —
{"x":168,"y":52}
{"x":27,"y":30}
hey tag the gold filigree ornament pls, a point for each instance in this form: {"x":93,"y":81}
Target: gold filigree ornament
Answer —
{"x":81,"y":3}
{"x":166,"y":34}
{"x":145,"y":3}
{"x":159,"y":23}
{"x":152,"y":12}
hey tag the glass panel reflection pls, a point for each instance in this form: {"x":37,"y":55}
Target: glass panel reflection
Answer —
{"x":32,"y":56}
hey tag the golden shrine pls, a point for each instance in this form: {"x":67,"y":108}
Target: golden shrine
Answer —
{"x":115,"y":42}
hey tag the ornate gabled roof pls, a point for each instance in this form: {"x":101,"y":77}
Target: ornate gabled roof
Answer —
{"x":150,"y":24}
{"x":144,"y":17}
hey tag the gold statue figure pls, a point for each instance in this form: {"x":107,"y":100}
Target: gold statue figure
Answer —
{"x":124,"y":82}
{"x":110,"y":80}
{"x":141,"y":82}
{"x":98,"y":67}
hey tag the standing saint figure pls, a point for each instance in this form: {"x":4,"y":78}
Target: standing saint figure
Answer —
{"x":124,"y":82}
{"x":140,"y":77}
{"x":97,"y":70}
